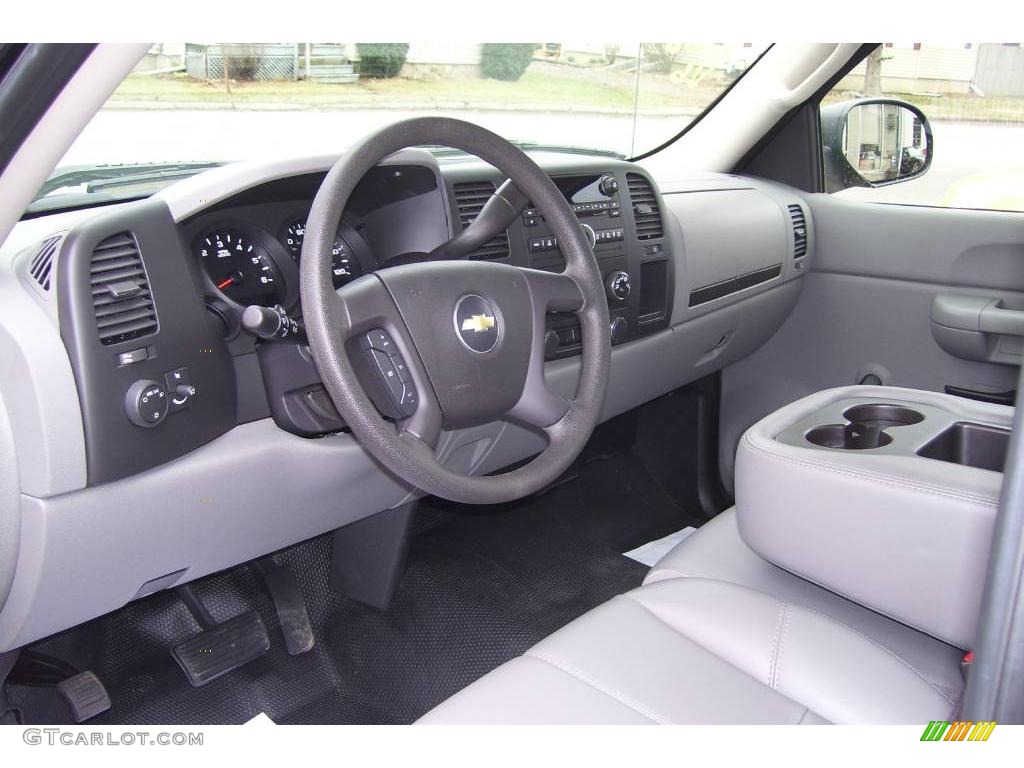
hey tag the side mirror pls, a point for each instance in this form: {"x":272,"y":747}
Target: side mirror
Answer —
{"x":873,"y":143}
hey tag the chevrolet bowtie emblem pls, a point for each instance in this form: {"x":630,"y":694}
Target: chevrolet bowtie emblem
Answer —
{"x":478,"y":323}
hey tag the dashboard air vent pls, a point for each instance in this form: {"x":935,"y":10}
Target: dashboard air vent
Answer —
{"x":41,"y":265}
{"x":120,"y":291}
{"x":645,"y":207}
{"x":796,"y":214}
{"x":469,"y":199}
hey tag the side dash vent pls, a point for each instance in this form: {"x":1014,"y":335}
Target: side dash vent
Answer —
{"x":645,"y":207}
{"x":469,"y":199}
{"x":799,"y":220}
{"x":121,"y":299}
{"x":41,"y":266}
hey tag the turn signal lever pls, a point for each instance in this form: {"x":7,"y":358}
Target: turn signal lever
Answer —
{"x":273,"y":323}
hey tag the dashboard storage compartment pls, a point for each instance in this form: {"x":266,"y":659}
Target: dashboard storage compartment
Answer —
{"x":973,"y":445}
{"x":879,"y":494}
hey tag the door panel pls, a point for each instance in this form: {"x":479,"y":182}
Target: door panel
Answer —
{"x":866,"y":307}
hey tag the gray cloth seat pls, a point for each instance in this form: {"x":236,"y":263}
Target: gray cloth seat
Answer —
{"x":717,"y":635}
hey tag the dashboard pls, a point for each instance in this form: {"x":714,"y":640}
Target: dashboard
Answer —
{"x":158,"y":441}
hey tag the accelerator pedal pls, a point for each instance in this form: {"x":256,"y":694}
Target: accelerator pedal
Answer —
{"x":289,"y":605}
{"x":219,"y":648}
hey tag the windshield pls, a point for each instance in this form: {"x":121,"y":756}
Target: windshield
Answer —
{"x":189,"y":106}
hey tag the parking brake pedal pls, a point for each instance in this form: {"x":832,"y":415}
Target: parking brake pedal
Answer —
{"x":219,"y":648}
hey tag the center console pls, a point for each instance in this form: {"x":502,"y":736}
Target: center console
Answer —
{"x":620,"y":212}
{"x":886,"y":496}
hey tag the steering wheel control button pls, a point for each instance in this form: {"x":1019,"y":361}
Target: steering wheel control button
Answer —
{"x":395,"y":394}
{"x":147,"y":403}
{"x":476,"y":323}
{"x":379,"y":339}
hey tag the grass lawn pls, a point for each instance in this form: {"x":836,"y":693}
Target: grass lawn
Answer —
{"x":954,"y":107}
{"x":543,"y":84}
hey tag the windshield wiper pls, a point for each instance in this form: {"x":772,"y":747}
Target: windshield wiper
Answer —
{"x":99,"y":177}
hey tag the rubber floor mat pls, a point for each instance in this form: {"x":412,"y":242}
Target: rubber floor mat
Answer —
{"x":481,"y":586}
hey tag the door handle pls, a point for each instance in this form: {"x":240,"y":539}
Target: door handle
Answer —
{"x":978,"y":328}
{"x":977,"y":313}
{"x":996,"y":319}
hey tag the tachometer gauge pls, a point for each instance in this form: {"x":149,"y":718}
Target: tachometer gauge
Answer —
{"x":344,"y":265}
{"x":240,"y":268}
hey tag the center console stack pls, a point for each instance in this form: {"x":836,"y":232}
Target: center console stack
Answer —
{"x":884,"y":495}
{"x":620,"y":211}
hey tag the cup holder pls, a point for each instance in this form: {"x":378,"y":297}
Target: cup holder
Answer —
{"x":866,"y":428}
{"x":849,"y":437}
{"x":883,"y":415}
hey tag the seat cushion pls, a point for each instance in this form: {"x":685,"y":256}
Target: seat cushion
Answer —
{"x":695,"y":650}
{"x":717,"y":551}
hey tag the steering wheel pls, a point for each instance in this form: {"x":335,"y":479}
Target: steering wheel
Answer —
{"x":471,"y":333}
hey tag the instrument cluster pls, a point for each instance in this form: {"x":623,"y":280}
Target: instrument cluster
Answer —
{"x":246,"y":264}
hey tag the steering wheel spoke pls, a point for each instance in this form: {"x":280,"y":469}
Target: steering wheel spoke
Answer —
{"x":552,"y":292}
{"x":382,"y":351}
{"x":539,"y":406}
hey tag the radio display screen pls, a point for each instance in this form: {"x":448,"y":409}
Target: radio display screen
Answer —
{"x":580,"y":189}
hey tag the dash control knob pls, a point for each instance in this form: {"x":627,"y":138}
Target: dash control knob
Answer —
{"x":618,"y":285}
{"x":551,"y":343}
{"x":618,"y":329}
{"x":147,"y":403}
{"x":608,"y":185}
{"x":590,"y":233}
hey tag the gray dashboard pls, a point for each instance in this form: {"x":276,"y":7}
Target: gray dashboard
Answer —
{"x":89,"y":540}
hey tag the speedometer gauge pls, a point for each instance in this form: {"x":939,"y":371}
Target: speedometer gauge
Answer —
{"x":344,"y":265}
{"x":241,"y":268}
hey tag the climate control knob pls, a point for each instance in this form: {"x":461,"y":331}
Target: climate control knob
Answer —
{"x":618,"y":329}
{"x":590,"y":233}
{"x":618,"y":286}
{"x":551,"y":343}
{"x":146,"y":403}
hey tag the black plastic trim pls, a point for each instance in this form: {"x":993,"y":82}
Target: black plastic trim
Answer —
{"x":31,"y":85}
{"x":114,"y":446}
{"x":732,"y":285}
{"x":811,"y":154}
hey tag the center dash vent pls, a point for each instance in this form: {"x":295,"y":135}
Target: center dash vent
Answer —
{"x":796,"y":215}
{"x":645,"y":207}
{"x":121,"y":297}
{"x":41,"y":266}
{"x":470,"y":197}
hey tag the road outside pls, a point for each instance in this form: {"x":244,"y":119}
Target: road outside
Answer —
{"x":120,"y":135}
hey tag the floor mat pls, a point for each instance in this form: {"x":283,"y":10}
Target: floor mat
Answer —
{"x":481,"y":586}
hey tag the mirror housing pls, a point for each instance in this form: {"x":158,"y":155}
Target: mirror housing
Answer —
{"x":874,"y":142}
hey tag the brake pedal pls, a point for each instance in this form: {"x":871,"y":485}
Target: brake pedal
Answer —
{"x":85,"y":696}
{"x":219,"y":648}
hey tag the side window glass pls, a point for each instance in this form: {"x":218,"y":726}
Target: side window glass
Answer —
{"x":929,"y":124}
